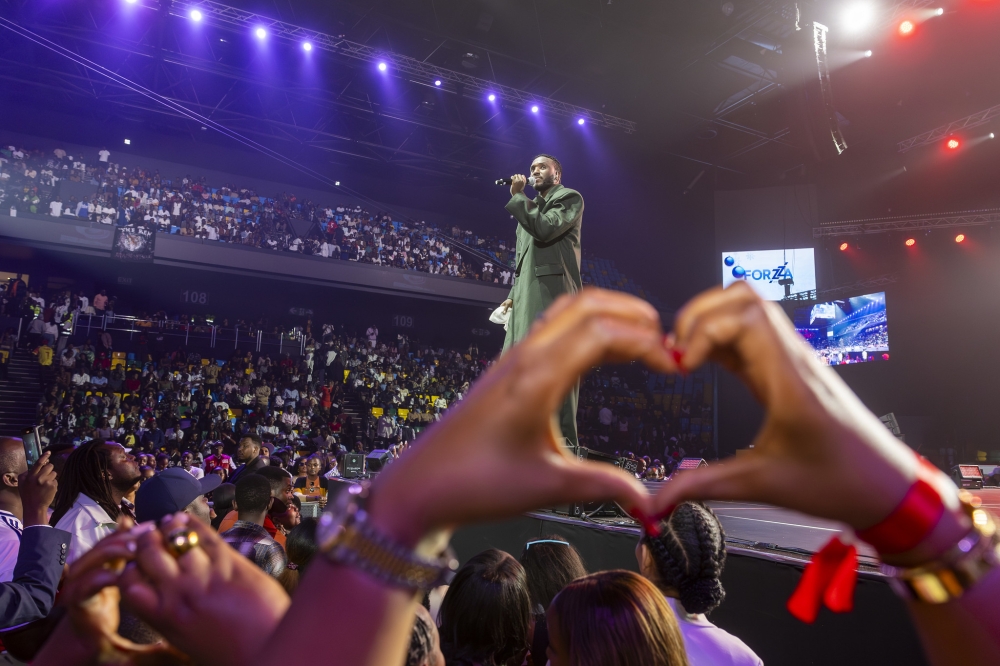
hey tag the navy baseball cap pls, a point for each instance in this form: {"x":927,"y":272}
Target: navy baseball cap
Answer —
{"x":170,"y":491}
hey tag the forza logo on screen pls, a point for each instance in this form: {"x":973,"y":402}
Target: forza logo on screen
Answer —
{"x":781,"y":272}
{"x":765,"y":270}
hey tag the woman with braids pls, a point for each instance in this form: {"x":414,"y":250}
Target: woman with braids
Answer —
{"x":95,"y":479}
{"x":685,"y":562}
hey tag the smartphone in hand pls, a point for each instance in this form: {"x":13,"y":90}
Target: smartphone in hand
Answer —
{"x":32,"y":439}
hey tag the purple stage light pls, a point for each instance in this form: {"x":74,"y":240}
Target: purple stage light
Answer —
{"x":437,"y":82}
{"x":307,"y":46}
{"x":534,"y":109}
{"x":492,"y":97}
{"x":131,"y":2}
{"x":195,"y":15}
{"x":382,"y":67}
{"x":261,"y":33}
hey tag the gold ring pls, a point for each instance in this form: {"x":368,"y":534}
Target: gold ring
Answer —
{"x":181,"y":541}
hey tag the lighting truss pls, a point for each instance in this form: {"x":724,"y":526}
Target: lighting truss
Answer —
{"x":881,"y":225}
{"x":855,"y":288}
{"x":938,"y":133}
{"x":470,"y":86}
{"x":826,"y":89}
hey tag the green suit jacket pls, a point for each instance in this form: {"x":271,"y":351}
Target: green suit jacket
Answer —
{"x":548,"y":255}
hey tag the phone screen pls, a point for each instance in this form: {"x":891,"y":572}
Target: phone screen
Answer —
{"x":32,"y":438}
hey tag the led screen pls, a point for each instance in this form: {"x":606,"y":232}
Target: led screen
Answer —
{"x":853,"y":330}
{"x":766,"y":270}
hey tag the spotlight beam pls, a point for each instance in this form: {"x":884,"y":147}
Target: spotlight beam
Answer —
{"x":239,"y":20}
{"x":938,"y":133}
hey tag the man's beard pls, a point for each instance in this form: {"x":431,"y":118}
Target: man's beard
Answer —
{"x":126,"y":485}
{"x":546,"y":183}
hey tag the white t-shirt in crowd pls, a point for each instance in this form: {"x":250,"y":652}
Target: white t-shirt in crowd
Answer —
{"x":104,"y":155}
{"x":196,"y":472}
{"x":55,"y":208}
{"x":708,"y":645}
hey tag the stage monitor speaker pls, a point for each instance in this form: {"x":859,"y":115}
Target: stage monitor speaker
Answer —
{"x":967,"y":476}
{"x":354,"y":465}
{"x":376,"y":460}
{"x":691,"y":463}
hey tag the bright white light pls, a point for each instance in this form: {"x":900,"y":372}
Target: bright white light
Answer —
{"x":437,"y":82}
{"x":382,"y":67}
{"x":131,"y":2}
{"x":307,"y":47}
{"x":939,"y":11}
{"x":868,"y":53}
{"x":534,"y":109}
{"x":195,"y":15}
{"x":992,"y":136}
{"x":261,"y":33}
{"x":580,"y":121}
{"x":337,"y":183}
{"x":859,"y":16}
{"x":128,"y":142}
{"x":492,"y":98}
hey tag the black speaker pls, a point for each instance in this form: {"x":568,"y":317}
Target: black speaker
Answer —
{"x":354,"y":465}
{"x":376,"y":460}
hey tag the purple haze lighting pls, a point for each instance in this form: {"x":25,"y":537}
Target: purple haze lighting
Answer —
{"x":131,"y":2}
{"x":580,"y":121}
{"x":261,"y":33}
{"x":382,"y":67}
{"x":307,"y":47}
{"x":492,"y":97}
{"x":534,"y":109}
{"x":195,"y":15}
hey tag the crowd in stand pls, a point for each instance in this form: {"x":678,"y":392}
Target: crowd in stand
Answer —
{"x":190,"y":206}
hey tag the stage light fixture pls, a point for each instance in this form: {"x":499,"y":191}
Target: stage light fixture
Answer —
{"x":337,"y":183}
{"x":534,"y":108}
{"x":128,"y":142}
{"x":131,"y":2}
{"x":195,"y":15}
{"x":492,"y":97}
{"x":906,"y":27}
{"x":843,"y":247}
{"x":261,"y":33}
{"x":910,"y":242}
{"x":580,"y":121}
{"x":307,"y":46}
{"x":992,"y":135}
{"x":868,"y":53}
{"x":960,"y":238}
{"x":437,"y":82}
{"x":953,"y":144}
{"x":939,"y":11}
{"x":382,"y":67}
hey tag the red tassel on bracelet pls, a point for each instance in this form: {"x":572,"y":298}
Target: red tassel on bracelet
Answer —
{"x":828,"y":579}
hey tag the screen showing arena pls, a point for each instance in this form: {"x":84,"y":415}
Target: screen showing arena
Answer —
{"x":853,"y":330}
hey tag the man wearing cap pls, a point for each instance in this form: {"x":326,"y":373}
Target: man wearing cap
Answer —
{"x":173,"y":490}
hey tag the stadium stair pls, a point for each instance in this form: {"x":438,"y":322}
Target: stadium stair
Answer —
{"x":19,"y":394}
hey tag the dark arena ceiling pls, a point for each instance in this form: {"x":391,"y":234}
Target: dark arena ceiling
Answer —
{"x":711,"y":86}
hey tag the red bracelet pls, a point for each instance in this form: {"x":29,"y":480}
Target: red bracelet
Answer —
{"x":830,"y":576}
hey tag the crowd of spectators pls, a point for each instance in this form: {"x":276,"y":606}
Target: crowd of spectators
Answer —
{"x":190,"y":206}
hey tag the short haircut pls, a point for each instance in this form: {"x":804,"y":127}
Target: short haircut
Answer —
{"x":549,"y":157}
{"x":222,"y":497}
{"x":254,"y":437}
{"x":253,"y":494}
{"x":275,"y":476}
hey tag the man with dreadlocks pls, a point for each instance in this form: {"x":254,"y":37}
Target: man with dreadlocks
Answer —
{"x":96,"y":478}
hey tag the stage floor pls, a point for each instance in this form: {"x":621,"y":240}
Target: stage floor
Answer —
{"x":767,"y":527}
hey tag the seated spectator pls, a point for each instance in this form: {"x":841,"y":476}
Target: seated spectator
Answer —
{"x":313,"y":487}
{"x":685,"y":563}
{"x":486,"y":614}
{"x":550,"y":563}
{"x":94,"y":481}
{"x":613,"y":618}
{"x":187,"y":464}
{"x":172,"y":491}
{"x":248,"y":536}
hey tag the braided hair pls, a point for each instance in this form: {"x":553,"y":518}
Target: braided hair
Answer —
{"x":86,"y":471}
{"x":690,"y":555}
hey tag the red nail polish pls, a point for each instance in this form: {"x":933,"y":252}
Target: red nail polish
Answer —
{"x":651,"y":528}
{"x":676,"y":353}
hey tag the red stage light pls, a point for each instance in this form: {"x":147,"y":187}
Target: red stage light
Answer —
{"x":906,"y":27}
{"x":960,"y":238}
{"x":910,"y":242}
{"x":953,"y":144}
{"x":843,"y":247}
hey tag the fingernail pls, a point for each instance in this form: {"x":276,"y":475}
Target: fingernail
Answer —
{"x":649,"y":526}
{"x":678,"y":357}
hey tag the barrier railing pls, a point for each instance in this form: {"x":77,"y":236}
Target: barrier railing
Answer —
{"x":192,"y":334}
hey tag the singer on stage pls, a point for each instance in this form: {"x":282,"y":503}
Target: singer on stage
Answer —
{"x":548,"y":257}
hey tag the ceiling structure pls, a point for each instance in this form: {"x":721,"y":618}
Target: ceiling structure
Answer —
{"x":709,"y":85}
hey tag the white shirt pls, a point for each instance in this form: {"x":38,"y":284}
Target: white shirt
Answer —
{"x":196,"y":472}
{"x":708,"y":645}
{"x":87,"y":524}
{"x":10,"y":544}
{"x":103,"y":155}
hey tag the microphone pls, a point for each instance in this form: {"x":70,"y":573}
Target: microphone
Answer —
{"x":508,"y":181}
